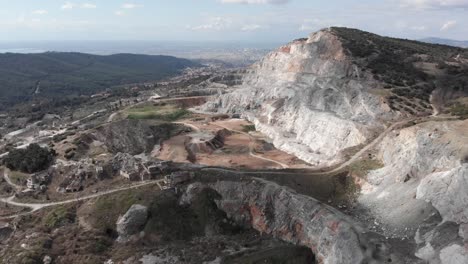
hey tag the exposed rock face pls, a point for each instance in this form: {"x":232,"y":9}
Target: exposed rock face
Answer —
{"x":135,"y":136}
{"x":47,"y":260}
{"x":310,"y":99}
{"x":196,"y":144}
{"x":434,"y":242}
{"x":420,"y":162}
{"x":446,"y":191}
{"x":279,"y":211}
{"x":131,"y":222}
{"x":454,"y":254}
{"x":5,"y":233}
{"x":425,"y":174}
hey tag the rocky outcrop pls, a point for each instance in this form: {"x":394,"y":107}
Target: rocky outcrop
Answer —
{"x":5,"y":233}
{"x":434,"y":243}
{"x":131,"y":222}
{"x":196,"y":144}
{"x":454,"y":254}
{"x":301,"y":220}
{"x":446,"y":191}
{"x":310,"y":98}
{"x":425,"y":174}
{"x":135,"y":136}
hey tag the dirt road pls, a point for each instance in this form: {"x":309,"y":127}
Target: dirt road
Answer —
{"x":38,"y":206}
{"x":252,"y":141}
{"x":6,"y":176}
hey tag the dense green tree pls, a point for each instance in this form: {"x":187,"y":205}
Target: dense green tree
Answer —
{"x":32,"y":159}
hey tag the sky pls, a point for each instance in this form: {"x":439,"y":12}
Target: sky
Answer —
{"x":226,"y":20}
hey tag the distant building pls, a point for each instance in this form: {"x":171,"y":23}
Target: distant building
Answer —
{"x":130,"y":173}
{"x":35,"y":181}
{"x":32,"y":183}
{"x":100,"y":173}
{"x":156,"y":170}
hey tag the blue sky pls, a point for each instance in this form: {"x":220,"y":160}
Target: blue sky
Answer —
{"x":226,"y":20}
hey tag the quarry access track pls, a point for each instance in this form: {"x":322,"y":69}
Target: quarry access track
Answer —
{"x":313,"y":172}
{"x":252,"y":141}
{"x":251,"y":153}
{"x":38,"y":206}
{"x":8,"y":180}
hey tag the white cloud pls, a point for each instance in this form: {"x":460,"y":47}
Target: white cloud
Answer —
{"x":434,"y":4}
{"x":214,"y":23}
{"x":130,"y":6}
{"x":274,"y":2}
{"x":88,"y":6}
{"x":68,"y":5}
{"x":251,"y":27}
{"x":39,"y":12}
{"x":448,"y":25}
{"x":119,"y":13}
{"x":23,"y":22}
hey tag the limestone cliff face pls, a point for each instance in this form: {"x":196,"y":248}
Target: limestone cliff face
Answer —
{"x":310,"y":98}
{"x":425,"y":174}
{"x":269,"y":208}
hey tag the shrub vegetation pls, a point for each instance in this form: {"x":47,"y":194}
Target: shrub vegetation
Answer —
{"x":31,"y":159}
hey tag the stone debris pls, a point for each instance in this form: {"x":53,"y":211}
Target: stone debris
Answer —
{"x":131,"y":222}
{"x":47,"y":260}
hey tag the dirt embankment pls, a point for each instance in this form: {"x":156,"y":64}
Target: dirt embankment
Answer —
{"x":194,"y":146}
{"x":136,"y":136}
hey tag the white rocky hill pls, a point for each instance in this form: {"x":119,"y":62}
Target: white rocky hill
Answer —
{"x":421,"y":192}
{"x":330,"y":94}
{"x":310,"y":99}
{"x":337,"y":89}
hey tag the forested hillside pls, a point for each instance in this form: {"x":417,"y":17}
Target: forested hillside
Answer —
{"x":56,"y":74}
{"x":412,"y":71}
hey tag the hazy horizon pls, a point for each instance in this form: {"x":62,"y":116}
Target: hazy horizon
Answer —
{"x":148,"y":47}
{"x":270,"y":21}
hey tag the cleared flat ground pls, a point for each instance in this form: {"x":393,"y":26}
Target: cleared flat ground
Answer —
{"x":243,"y":147}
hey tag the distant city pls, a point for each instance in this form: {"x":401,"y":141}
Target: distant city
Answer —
{"x":237,"y":53}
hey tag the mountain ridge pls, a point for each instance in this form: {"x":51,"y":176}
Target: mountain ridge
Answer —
{"x":444,"y":41}
{"x":72,"y":73}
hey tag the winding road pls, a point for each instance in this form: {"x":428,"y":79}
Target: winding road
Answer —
{"x":313,"y":172}
{"x":192,"y":126}
{"x":251,"y":153}
{"x":38,"y":206}
{"x":9,"y":181}
{"x":369,"y":146}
